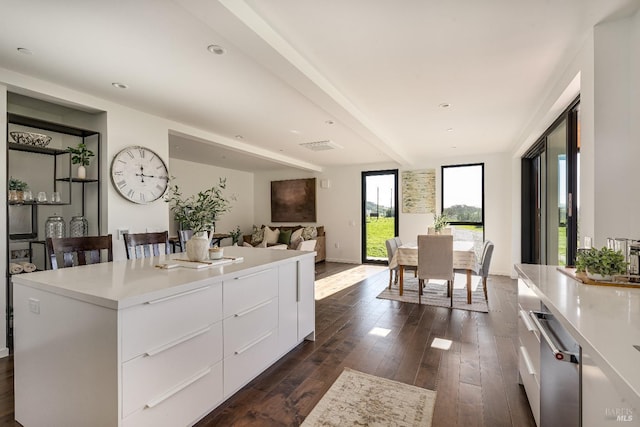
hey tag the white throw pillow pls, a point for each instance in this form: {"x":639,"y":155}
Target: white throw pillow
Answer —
{"x":271,"y":236}
{"x":248,"y":245}
{"x":297,"y":234}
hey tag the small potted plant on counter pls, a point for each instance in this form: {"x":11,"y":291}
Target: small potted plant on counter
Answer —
{"x":81,"y":155}
{"x":235,"y":235}
{"x":601,"y":264}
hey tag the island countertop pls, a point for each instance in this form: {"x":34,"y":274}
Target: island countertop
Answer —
{"x":605,"y":321}
{"x":121,"y":284}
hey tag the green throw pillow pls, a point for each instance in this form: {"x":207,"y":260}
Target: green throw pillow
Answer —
{"x":284,"y":237}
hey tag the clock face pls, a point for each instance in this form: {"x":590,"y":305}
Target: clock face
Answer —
{"x":139,"y":174}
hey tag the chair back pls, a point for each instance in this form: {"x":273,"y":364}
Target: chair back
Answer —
{"x":398,"y":241}
{"x":485,"y":261}
{"x":142,"y":245}
{"x":79,"y":250}
{"x":183,"y":236}
{"x":435,"y":257}
{"x":391,"y":248}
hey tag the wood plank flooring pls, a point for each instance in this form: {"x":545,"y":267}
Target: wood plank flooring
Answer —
{"x":476,"y":379}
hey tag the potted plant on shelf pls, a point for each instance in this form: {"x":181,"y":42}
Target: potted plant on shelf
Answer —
{"x":16,"y":189}
{"x":235,"y":235}
{"x":199,"y":213}
{"x":81,"y":155}
{"x":600,"y":264}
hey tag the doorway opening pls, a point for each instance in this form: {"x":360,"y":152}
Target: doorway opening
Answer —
{"x":379,"y":213}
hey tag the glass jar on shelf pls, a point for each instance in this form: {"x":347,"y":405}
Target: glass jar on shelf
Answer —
{"x":78,"y":226}
{"x":54,"y":226}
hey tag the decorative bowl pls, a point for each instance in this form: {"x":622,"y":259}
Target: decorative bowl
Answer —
{"x":30,"y":138}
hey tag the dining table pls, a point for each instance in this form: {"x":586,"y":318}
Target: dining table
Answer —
{"x":464,"y":258}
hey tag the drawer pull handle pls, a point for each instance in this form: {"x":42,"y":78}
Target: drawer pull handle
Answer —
{"x":256,"y":342}
{"x":167,"y":346}
{"x":254,"y":308}
{"x":170,"y":297}
{"x":158,"y":400}
{"x":527,"y":361}
{"x":527,"y":321}
{"x":249,"y":275}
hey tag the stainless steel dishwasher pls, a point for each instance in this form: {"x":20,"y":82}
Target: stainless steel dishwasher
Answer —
{"x":560,"y":388}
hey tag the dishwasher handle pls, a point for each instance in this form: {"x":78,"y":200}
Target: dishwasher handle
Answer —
{"x":560,"y":354}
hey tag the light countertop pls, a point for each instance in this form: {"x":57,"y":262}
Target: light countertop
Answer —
{"x":605,"y":321}
{"x":121,"y":284}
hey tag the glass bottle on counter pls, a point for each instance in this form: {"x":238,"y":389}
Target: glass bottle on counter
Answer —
{"x":54,"y":226}
{"x":78,"y":226}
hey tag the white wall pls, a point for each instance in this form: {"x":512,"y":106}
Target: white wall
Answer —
{"x":339,"y":207}
{"x":194,"y":177}
{"x":4,"y":350}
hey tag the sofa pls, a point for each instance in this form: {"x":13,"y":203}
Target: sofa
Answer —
{"x":283,"y":236}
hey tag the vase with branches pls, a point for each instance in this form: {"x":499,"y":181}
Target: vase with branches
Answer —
{"x":440,"y":222}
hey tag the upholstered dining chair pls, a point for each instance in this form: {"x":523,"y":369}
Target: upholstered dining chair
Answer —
{"x":142,"y":245}
{"x":482,"y":268}
{"x":79,"y":250}
{"x":183,"y":236}
{"x":435,"y":261}
{"x":391,"y":245}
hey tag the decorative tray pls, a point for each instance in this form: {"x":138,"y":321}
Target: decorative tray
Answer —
{"x":622,"y":280}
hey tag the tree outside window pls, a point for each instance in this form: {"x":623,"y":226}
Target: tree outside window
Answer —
{"x":463,"y":200}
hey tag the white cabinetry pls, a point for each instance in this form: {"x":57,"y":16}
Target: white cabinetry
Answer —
{"x":165,"y":354}
{"x":529,"y":347}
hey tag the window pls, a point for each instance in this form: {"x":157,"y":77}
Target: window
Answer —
{"x":463,"y":200}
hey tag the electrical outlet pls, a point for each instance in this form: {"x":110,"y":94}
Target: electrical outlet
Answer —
{"x":122,"y":231}
{"x":336,"y":245}
{"x":34,"y":305}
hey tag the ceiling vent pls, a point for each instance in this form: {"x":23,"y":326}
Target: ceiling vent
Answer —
{"x":320,"y":145}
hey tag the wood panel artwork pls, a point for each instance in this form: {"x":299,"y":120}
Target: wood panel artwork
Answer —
{"x":293,"y":200}
{"x":419,"y":191}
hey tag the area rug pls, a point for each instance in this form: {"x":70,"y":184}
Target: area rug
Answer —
{"x":359,"y":399}
{"x":435,"y":293}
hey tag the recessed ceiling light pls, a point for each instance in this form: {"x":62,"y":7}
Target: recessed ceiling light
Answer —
{"x":454,"y":147}
{"x":217,"y":49}
{"x":25,"y":50}
{"x":239,"y":137}
{"x":444,"y":105}
{"x":294,"y":131}
{"x":450,"y":130}
{"x":119,"y":85}
{"x":329,"y":122}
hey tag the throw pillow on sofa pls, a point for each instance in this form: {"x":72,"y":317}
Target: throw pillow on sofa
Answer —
{"x":271,"y":236}
{"x":309,"y":233}
{"x":257,"y":235}
{"x":284,"y":237}
{"x":297,"y":234}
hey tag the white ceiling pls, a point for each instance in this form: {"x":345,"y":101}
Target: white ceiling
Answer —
{"x":369,"y":75}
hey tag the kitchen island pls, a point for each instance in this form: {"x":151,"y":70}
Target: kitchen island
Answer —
{"x":605,"y":322}
{"x":128,"y":344}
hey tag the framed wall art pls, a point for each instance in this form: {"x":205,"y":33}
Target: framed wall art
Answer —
{"x":293,"y":200}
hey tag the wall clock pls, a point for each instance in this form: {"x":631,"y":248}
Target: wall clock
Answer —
{"x":139,"y":174}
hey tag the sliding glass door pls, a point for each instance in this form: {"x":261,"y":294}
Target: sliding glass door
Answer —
{"x":379,"y":213}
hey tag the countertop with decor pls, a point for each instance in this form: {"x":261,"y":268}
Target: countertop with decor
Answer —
{"x":604,"y":320}
{"x":321,"y":242}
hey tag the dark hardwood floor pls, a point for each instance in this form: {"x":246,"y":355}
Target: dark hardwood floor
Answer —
{"x":476,"y":379}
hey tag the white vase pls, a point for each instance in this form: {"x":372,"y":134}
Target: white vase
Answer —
{"x":82,"y":172}
{"x":198,"y":247}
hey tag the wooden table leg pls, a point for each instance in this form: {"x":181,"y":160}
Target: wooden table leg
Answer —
{"x":468,"y":286}
{"x":401,"y":275}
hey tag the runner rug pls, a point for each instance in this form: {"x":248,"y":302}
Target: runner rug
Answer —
{"x":435,"y":293}
{"x":359,"y":399}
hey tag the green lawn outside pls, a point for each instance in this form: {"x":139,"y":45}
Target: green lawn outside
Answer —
{"x":378,"y":231}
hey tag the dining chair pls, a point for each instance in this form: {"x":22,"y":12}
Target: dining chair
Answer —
{"x":406,"y":267}
{"x":183,"y":236}
{"x":391,"y":245}
{"x":142,"y":245}
{"x":485,"y":262}
{"x":79,"y":250}
{"x":435,"y":261}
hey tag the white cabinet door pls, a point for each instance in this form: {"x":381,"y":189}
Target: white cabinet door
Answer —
{"x":288,"y":309}
{"x":306,"y":299}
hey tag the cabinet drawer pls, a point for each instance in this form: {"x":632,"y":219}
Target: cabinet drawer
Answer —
{"x":530,"y":382}
{"x":244,"y":365}
{"x":148,"y":376}
{"x":158,"y":322}
{"x":249,"y":290}
{"x":183,"y":404}
{"x":530,"y":339}
{"x":244,"y":328}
